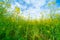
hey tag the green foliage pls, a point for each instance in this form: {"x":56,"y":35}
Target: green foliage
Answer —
{"x":13,"y":28}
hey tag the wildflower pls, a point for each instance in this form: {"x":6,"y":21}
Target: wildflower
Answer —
{"x":17,"y":9}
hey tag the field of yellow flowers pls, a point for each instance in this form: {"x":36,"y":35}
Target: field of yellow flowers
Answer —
{"x":12,"y":28}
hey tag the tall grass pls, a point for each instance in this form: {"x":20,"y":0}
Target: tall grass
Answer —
{"x":12,"y":28}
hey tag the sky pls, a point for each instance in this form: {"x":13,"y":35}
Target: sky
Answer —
{"x":33,"y":8}
{"x":58,"y":3}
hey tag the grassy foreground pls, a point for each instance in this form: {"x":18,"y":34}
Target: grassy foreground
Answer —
{"x":19,"y":29}
{"x":12,"y":28}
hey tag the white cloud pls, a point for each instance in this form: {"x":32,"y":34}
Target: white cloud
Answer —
{"x":36,"y":3}
{"x":34,"y":10}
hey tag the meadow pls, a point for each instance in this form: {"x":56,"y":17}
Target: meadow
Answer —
{"x":16,"y":28}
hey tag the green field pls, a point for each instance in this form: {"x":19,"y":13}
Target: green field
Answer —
{"x":16,"y":28}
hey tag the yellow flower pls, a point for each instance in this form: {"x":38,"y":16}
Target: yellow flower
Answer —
{"x":17,"y":9}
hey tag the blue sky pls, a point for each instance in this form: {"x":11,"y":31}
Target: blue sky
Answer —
{"x":33,"y":7}
{"x":58,"y":3}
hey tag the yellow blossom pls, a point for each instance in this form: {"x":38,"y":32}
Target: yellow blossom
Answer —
{"x":17,"y":9}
